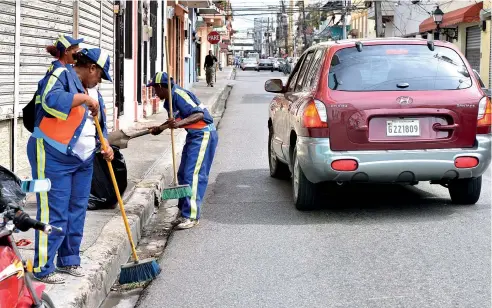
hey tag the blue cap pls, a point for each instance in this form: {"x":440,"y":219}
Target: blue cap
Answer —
{"x":65,"y":41}
{"x":101,"y":58}
{"x":159,"y":78}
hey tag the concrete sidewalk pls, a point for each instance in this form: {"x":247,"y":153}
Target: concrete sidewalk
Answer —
{"x":105,"y":245}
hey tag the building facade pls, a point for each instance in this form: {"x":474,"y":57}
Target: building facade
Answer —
{"x":27,"y":27}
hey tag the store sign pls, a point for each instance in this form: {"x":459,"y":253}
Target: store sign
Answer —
{"x":213,"y":37}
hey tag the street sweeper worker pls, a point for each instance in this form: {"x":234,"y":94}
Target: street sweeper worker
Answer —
{"x":199,"y":149}
{"x":62,"y":149}
{"x":63,"y":50}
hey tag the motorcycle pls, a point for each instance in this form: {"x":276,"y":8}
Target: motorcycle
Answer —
{"x":17,"y":288}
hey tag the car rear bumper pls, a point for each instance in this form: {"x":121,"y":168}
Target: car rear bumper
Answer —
{"x":315,"y":158}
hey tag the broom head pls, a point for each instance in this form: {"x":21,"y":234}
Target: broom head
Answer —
{"x":140,"y":271}
{"x":176,"y":192}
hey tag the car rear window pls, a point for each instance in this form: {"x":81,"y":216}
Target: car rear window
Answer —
{"x":397,"y":68}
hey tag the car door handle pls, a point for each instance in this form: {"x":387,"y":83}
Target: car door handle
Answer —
{"x":440,"y":127}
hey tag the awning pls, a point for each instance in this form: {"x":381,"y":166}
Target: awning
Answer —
{"x":467,"y":14}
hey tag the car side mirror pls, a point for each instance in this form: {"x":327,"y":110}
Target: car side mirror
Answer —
{"x":274,"y":86}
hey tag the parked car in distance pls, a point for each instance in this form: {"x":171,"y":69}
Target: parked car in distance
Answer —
{"x":265,"y":64}
{"x":384,"y":110}
{"x":249,"y":63}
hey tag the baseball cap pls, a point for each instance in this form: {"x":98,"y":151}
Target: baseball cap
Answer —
{"x":65,"y":41}
{"x":159,"y":78}
{"x":101,"y":58}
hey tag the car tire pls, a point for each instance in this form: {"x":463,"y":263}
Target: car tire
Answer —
{"x":272,"y":71}
{"x":305,"y":193}
{"x":278,"y":169}
{"x":46,"y":300}
{"x":465,"y":191}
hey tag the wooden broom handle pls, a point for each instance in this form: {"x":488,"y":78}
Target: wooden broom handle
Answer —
{"x":171,"y":113}
{"x":116,"y":189}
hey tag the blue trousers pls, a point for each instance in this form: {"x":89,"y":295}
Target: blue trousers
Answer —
{"x":64,"y":206}
{"x":196,"y":160}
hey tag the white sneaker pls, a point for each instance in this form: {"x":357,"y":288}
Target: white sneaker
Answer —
{"x":187,"y":223}
{"x":53,"y":278}
{"x":73,"y":270}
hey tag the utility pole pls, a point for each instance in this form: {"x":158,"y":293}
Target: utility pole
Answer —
{"x":268,"y":37}
{"x":378,"y":12}
{"x":285,"y":26}
{"x":344,"y":21}
{"x":304,"y":27}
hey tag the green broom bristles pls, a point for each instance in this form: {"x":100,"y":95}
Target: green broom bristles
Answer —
{"x":176,"y":192}
{"x":140,"y":271}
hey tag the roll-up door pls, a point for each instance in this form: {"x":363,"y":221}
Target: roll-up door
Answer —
{"x":96,"y":28}
{"x":89,"y":22}
{"x":472,"y":52}
{"x":107,"y":44}
{"x":41,"y":23}
{"x":7,"y":43}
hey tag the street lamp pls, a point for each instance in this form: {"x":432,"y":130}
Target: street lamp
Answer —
{"x":438,"y":15}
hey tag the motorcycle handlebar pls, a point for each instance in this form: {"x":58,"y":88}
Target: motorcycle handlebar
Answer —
{"x":23,"y":222}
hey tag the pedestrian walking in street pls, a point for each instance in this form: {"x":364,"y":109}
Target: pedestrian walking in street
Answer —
{"x":210,"y":61}
{"x":62,"y":149}
{"x":199,"y":149}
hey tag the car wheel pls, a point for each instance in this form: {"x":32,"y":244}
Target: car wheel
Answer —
{"x":465,"y":191}
{"x":306,"y":194}
{"x":278,"y":169}
{"x":46,"y":300}
{"x":272,"y":71}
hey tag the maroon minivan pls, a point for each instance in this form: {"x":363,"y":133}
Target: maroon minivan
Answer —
{"x":381,"y":110}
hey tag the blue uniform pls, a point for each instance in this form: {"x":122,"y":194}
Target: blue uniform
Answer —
{"x":198,"y":151}
{"x":50,"y":152}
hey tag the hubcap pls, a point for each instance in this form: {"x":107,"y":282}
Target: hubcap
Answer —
{"x":295,"y":177}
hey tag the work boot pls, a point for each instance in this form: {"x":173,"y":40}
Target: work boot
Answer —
{"x":73,"y":270}
{"x":52,"y":278}
{"x":187,"y":223}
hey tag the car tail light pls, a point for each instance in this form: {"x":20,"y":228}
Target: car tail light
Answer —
{"x":466,"y":162}
{"x":345,"y":165}
{"x":484,"y":116}
{"x":314,"y":115}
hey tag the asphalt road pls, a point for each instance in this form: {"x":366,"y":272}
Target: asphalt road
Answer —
{"x":380,"y":246}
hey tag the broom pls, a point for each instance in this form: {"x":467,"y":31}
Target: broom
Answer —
{"x":175,"y":191}
{"x":138,"y":270}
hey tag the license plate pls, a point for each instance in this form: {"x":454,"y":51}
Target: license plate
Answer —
{"x":402,"y":128}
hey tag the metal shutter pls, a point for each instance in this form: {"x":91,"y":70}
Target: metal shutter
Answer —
{"x":472,"y":52}
{"x":107,"y":44}
{"x":7,"y":43}
{"x":89,"y":22}
{"x":96,"y":27}
{"x":41,"y":23}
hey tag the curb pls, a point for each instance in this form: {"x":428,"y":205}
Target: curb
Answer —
{"x":103,"y":259}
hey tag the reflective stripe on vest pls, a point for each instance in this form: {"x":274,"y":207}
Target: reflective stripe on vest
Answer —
{"x":51,"y":82}
{"x":60,"y":128}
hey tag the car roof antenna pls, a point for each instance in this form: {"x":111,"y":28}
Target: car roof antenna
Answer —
{"x":430,"y":44}
{"x":358,"y":45}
